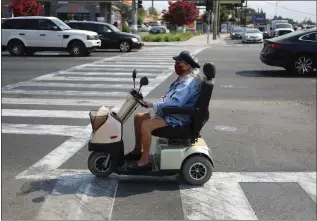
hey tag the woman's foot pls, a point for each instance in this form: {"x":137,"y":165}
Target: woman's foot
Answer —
{"x":133,"y":155}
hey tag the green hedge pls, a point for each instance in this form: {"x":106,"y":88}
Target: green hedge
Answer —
{"x":170,"y":37}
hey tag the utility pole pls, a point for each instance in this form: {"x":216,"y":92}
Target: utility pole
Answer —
{"x":214,"y":25}
{"x":208,"y":25}
{"x":134,"y":16}
{"x":218,"y":17}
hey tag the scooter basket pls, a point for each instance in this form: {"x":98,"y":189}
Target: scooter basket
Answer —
{"x":96,"y":119}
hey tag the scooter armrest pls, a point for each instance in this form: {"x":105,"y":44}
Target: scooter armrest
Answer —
{"x":180,"y":110}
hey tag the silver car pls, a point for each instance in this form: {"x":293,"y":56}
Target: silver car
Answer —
{"x":252,"y":35}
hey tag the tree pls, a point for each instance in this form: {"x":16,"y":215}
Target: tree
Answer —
{"x":25,"y":8}
{"x":125,"y":11}
{"x":141,"y":14}
{"x":224,"y":14}
{"x":153,"y":11}
{"x":181,"y":13}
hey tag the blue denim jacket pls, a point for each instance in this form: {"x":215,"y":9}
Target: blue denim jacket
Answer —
{"x":183,"y":92}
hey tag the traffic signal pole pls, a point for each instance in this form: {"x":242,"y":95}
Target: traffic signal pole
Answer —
{"x":134,"y":26}
{"x":214,"y":25}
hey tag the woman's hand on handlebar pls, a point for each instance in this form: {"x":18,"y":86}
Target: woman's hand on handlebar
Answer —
{"x":148,"y":104}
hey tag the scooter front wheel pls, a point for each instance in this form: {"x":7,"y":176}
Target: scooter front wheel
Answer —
{"x":99,"y":164}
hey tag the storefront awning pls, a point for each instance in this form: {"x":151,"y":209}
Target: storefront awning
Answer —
{"x":75,"y":9}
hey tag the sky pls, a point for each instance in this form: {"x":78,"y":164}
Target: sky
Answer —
{"x":306,"y":8}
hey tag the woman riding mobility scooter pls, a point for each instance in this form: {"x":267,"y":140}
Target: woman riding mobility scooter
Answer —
{"x":178,"y":150}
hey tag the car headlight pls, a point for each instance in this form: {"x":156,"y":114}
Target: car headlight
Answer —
{"x":92,"y":37}
{"x":134,"y":39}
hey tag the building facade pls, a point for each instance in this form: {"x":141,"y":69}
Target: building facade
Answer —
{"x":88,"y":10}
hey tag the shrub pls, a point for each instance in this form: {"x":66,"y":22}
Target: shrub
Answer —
{"x":170,"y":37}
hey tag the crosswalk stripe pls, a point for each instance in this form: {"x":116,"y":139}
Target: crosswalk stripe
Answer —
{"x":69,"y":85}
{"x":61,"y":130}
{"x":155,"y":69}
{"x":73,"y":199}
{"x":62,"y":102}
{"x":124,"y":65}
{"x":66,"y":93}
{"x":84,"y":78}
{"x":80,"y":195}
{"x":44,"y":113}
{"x":107,"y":74}
{"x":157,"y":62}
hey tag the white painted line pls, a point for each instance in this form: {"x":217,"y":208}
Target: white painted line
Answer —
{"x":69,"y":85}
{"x":45,"y":113}
{"x":62,"y":153}
{"x":139,"y":70}
{"x":225,"y":128}
{"x":77,"y":199}
{"x":61,"y":130}
{"x":136,"y":59}
{"x":61,"y":78}
{"x":222,"y":197}
{"x":124,"y":65}
{"x":216,"y":201}
{"x":234,"y":86}
{"x":67,"y":93}
{"x":129,"y":62}
{"x":149,"y":75}
{"x":62,"y":102}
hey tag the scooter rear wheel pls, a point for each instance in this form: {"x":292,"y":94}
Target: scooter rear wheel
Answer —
{"x":197,"y":170}
{"x":99,"y":164}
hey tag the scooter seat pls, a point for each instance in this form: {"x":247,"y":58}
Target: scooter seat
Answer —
{"x":173,"y":132}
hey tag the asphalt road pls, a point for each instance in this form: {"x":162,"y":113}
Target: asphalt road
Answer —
{"x":270,"y":150}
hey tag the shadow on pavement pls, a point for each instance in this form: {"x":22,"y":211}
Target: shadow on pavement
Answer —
{"x":272,"y":73}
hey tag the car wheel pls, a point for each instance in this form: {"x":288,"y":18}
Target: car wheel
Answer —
{"x":77,"y":48}
{"x":303,"y":65}
{"x":125,"y":46}
{"x":16,"y":48}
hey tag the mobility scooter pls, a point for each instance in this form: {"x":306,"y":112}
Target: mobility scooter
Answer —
{"x":179,"y":150}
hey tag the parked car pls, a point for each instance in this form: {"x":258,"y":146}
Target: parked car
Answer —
{"x":143,"y":28}
{"x":296,"y":51}
{"x":252,"y":35}
{"x":155,"y":30}
{"x":29,"y":34}
{"x":110,"y":36}
{"x":236,"y":33}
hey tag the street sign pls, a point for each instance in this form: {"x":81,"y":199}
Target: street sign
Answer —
{"x":200,"y":2}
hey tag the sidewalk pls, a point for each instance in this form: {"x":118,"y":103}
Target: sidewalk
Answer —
{"x":200,"y":40}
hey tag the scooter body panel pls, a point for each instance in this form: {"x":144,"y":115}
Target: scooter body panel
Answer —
{"x":173,"y":156}
{"x":109,"y":132}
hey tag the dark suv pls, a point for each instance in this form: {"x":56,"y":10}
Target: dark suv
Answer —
{"x":110,"y":36}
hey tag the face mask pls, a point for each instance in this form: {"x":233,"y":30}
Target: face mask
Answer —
{"x":178,"y":69}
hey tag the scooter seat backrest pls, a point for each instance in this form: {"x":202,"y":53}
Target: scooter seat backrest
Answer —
{"x":203,"y":105}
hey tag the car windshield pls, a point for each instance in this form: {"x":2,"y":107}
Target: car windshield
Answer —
{"x":252,"y":31}
{"x":283,"y":26}
{"x":113,"y":28}
{"x":61,"y":24}
{"x":238,"y":30}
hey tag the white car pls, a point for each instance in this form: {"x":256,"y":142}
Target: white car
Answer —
{"x":252,"y":35}
{"x":29,"y":34}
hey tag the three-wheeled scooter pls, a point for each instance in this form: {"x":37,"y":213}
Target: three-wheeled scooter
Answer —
{"x":179,"y":150}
